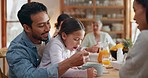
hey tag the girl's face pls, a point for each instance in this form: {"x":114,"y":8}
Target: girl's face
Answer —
{"x":140,"y":15}
{"x":72,"y":41}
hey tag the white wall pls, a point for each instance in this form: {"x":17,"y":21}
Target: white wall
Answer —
{"x":0,"y":26}
{"x":53,"y":10}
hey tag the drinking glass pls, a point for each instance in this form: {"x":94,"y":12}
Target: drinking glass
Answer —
{"x":104,"y":55}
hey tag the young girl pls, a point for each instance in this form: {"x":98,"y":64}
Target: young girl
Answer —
{"x":64,"y":45}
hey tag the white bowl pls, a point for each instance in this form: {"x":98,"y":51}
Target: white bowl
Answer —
{"x":116,"y":65}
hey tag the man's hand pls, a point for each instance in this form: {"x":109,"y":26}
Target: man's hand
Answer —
{"x":91,"y":73}
{"x":78,"y":58}
{"x":75,"y":60}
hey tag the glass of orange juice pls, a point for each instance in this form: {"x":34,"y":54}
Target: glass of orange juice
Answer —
{"x":104,"y":54}
{"x":104,"y":57}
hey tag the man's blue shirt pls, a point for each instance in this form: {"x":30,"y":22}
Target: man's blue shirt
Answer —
{"x":23,"y":60}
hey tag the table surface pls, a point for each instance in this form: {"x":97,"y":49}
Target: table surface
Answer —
{"x":113,"y":73}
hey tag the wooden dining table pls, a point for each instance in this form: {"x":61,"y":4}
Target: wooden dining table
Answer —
{"x":113,"y":73}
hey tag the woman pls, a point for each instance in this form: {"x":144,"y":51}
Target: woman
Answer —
{"x":136,"y":61}
{"x":91,"y":39}
{"x":63,"y":46}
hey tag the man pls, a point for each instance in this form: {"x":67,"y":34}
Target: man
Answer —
{"x":24,"y":52}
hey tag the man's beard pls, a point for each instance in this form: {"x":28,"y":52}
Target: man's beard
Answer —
{"x":40,"y":38}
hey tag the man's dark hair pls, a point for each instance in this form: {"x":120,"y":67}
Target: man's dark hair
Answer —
{"x":24,"y":14}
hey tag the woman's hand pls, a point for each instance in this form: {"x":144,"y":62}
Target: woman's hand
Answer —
{"x":93,"y":49}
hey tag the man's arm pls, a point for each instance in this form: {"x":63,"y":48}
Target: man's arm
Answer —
{"x":21,"y":66}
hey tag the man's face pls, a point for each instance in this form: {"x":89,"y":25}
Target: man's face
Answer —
{"x":40,"y":26}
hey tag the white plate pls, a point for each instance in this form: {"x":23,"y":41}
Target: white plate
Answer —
{"x":116,"y":65}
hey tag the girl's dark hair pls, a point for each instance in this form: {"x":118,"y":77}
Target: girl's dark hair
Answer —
{"x":24,"y":14}
{"x":71,"y":25}
{"x":61,"y":18}
{"x":144,"y":3}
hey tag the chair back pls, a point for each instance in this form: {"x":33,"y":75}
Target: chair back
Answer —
{"x":2,"y":75}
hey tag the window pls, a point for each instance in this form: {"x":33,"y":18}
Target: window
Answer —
{"x":11,"y":26}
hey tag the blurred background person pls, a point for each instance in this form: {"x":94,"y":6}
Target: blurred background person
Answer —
{"x":60,"y":19}
{"x":92,"y":39}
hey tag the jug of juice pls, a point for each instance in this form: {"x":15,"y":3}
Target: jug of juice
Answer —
{"x":104,"y":54}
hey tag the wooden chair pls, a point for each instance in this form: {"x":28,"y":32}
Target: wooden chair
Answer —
{"x":2,"y":75}
{"x":3,"y":56}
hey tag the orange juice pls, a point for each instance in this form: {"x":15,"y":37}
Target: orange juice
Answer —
{"x":103,"y":53}
{"x":106,"y":62}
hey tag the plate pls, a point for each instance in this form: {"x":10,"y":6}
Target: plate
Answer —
{"x":116,"y":65}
